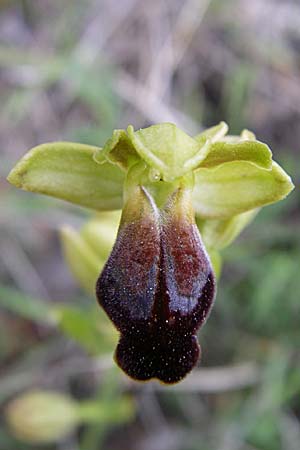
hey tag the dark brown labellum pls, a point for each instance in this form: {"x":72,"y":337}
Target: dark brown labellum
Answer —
{"x":157,"y":287}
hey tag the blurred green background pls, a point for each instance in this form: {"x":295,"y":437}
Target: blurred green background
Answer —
{"x":75,"y":70}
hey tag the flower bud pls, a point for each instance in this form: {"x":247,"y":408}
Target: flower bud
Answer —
{"x":41,"y":416}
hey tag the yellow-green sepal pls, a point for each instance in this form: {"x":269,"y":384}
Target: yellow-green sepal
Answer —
{"x":219,"y":233}
{"x":67,"y":171}
{"x":234,"y":187}
{"x":243,"y":150}
{"x":168,"y":150}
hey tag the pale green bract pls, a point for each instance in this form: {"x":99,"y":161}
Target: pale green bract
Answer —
{"x":233,"y":176}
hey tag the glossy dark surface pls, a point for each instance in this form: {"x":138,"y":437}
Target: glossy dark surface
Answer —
{"x":157,"y":288}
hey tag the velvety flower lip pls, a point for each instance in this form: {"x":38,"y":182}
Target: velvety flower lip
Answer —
{"x":157,"y":287}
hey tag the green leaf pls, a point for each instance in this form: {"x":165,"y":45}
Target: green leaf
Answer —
{"x":67,"y":171}
{"x":219,"y":233}
{"x":244,"y":150}
{"x":26,"y":306}
{"x":90,"y":328}
{"x":235,"y":187}
{"x":168,"y":149}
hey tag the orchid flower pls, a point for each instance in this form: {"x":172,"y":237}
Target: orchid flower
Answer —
{"x":183,"y":199}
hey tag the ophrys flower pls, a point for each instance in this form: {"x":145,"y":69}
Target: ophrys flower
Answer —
{"x":157,"y":285}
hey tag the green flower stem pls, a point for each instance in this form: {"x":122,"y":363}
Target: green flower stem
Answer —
{"x":90,"y":412}
{"x":106,"y":411}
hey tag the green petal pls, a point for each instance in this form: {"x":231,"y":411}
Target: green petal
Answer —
{"x":118,"y":150}
{"x":248,"y":135}
{"x":219,"y":233}
{"x":245,"y":135}
{"x":244,"y":150}
{"x":168,"y":149}
{"x":67,"y":171}
{"x":236,"y":187}
{"x":214,"y":133}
